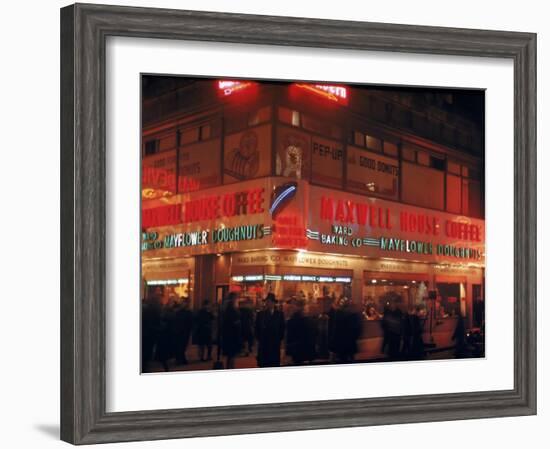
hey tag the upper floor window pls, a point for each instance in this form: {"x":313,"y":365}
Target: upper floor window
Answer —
{"x":368,"y":141}
{"x":259,"y":116}
{"x":151,"y":147}
{"x":289,"y":116}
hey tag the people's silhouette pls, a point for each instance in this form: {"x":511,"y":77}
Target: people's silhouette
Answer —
{"x":203,"y":331}
{"x":270,"y":330}
{"x":231,"y":337}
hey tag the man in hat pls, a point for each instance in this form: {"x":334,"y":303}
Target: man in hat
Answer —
{"x":270,"y":331}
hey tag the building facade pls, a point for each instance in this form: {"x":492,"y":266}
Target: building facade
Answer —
{"x":313,"y":191}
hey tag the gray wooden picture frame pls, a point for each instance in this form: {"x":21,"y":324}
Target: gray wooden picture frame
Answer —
{"x":84,"y":29}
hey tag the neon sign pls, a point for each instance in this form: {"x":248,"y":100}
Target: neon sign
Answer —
{"x":222,"y":206}
{"x":152,"y":240}
{"x":289,"y":232}
{"x":291,"y":278}
{"x":211,"y":207}
{"x":350,"y":212}
{"x":169,"y":282}
{"x":337,"y":94}
{"x":280,"y":196}
{"x":226,"y":88}
{"x":421,"y":247}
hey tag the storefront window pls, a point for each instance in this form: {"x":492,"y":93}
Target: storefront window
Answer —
{"x":448,"y":299}
{"x":167,"y":291}
{"x":379,"y":294}
{"x":317,"y":291}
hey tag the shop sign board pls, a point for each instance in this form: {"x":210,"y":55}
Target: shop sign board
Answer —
{"x":221,"y":219}
{"x":359,"y":225}
{"x":314,"y":218}
{"x":331,"y":92}
{"x":327,"y":158}
{"x":372,"y":173}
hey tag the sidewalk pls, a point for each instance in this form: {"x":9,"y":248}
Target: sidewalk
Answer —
{"x":250,"y":360}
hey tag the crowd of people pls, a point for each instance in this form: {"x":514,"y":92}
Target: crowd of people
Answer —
{"x":329,"y":334}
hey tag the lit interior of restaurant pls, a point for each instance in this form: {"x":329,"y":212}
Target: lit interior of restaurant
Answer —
{"x":306,"y":287}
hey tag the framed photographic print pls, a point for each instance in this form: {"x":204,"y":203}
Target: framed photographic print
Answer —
{"x":342,"y":211}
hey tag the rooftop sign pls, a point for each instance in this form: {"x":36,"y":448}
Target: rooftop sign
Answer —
{"x":337,"y":94}
{"x":226,"y":87}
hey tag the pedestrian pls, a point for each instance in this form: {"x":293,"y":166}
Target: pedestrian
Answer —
{"x":417,"y":332}
{"x":183,"y":324}
{"x":150,"y":328}
{"x":300,"y":336}
{"x":231,"y":335}
{"x":247,"y":325}
{"x":407,"y":326}
{"x":270,"y":331}
{"x":347,"y":330}
{"x":203,"y":324}
{"x":459,"y":336}
{"x":331,"y":318}
{"x":322,"y":329}
{"x":165,"y":342}
{"x":394,"y":329}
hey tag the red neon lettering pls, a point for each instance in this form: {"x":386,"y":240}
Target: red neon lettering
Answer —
{"x":327,"y":209}
{"x":229,"y":205}
{"x":403,"y":222}
{"x":338,"y":94}
{"x":372,"y":218}
{"x":350,"y":207}
{"x":340,"y":211}
{"x":362,"y":211}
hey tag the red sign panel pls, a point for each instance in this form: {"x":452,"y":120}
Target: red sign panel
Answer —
{"x":226,"y":87}
{"x":337,"y":94}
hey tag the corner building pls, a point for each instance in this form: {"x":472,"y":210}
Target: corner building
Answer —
{"x":312,"y":191}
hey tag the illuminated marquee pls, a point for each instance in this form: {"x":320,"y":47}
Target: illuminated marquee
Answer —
{"x":291,"y":278}
{"x":337,"y":94}
{"x":349,"y":212}
{"x":420,"y":247}
{"x":210,"y":207}
{"x":152,"y":240}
